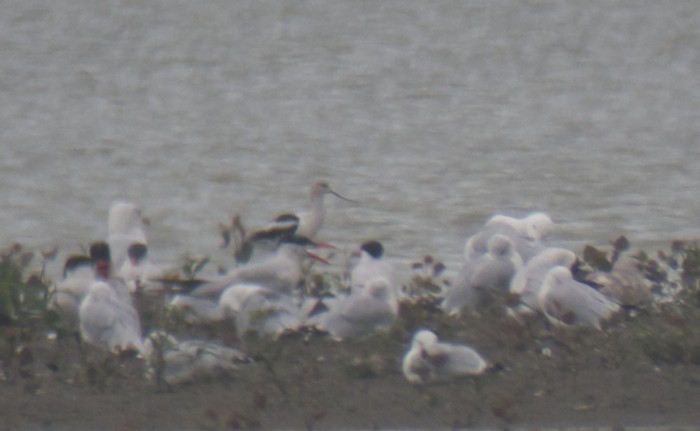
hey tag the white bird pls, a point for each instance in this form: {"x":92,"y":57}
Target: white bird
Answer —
{"x":196,"y":310}
{"x":139,"y":273}
{"x":125,"y":227}
{"x":78,"y":276}
{"x":304,"y":223}
{"x":372,"y":266}
{"x":481,"y":278}
{"x":566,"y":302}
{"x":267,"y":312}
{"x":527,"y":234}
{"x":527,"y":281}
{"x":177,"y":362}
{"x":281,"y":272}
{"x":234,"y":297}
{"x":108,"y":321}
{"x":101,"y":257}
{"x":79,"y":273}
{"x":429,"y":360}
{"x":363,"y":311}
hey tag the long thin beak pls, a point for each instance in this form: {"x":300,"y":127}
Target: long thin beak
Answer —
{"x":316,"y":257}
{"x":342,"y":197}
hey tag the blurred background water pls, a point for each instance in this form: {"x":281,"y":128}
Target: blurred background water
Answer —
{"x":435,"y":115}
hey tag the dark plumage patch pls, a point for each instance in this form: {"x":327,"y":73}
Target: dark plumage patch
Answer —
{"x":137,"y":251}
{"x":373,"y":248}
{"x":76,"y":261}
{"x":99,"y":251}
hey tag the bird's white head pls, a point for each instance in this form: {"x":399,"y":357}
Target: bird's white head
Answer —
{"x":424,"y":339}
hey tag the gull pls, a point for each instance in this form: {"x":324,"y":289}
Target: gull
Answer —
{"x":566,"y":302}
{"x":138,"y":272}
{"x":234,"y":297}
{"x":125,"y":227}
{"x":487,"y":274}
{"x":305,"y":223}
{"x":527,"y":281}
{"x":429,"y":360}
{"x":177,"y":362}
{"x":196,"y":310}
{"x":625,"y":284}
{"x":108,"y":321}
{"x":527,"y":234}
{"x":371,"y":266}
{"x":101,"y":256}
{"x":281,"y":271}
{"x":265,"y":311}
{"x":78,"y":276}
{"x":363,"y":311}
{"x":79,"y":273}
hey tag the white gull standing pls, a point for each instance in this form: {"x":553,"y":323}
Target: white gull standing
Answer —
{"x":139,"y":273}
{"x":429,"y":360}
{"x":371,"y":266}
{"x":125,"y":227}
{"x":78,"y":276}
{"x":108,"y":321}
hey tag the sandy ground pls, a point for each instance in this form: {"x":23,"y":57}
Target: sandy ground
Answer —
{"x":644,"y":371}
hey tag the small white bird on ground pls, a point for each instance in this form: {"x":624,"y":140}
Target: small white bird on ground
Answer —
{"x":429,"y":360}
{"x":108,"y":321}
{"x":177,"y":362}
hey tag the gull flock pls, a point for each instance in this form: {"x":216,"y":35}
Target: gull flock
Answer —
{"x":507,"y":256}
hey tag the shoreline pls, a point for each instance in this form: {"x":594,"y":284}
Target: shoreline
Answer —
{"x":642,"y":373}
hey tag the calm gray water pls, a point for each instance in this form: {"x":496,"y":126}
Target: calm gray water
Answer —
{"x":435,"y":115}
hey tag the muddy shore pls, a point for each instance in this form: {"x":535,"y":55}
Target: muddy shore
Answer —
{"x":643,"y":371}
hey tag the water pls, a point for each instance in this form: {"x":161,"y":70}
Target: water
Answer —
{"x":435,"y":115}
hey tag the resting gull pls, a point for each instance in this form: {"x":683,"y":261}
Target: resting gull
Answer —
{"x":479,"y":279}
{"x":566,"y":302}
{"x":429,"y":360}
